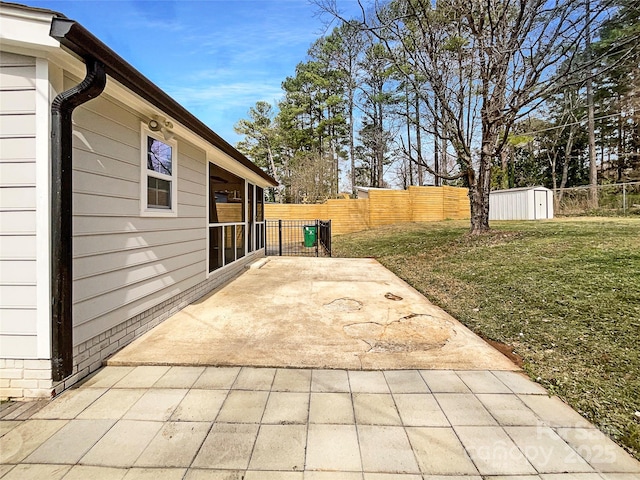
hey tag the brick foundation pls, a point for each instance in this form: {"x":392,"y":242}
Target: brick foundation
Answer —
{"x":28,"y":378}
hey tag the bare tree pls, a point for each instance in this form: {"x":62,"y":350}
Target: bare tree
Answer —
{"x":487,"y":64}
{"x":593,"y":169}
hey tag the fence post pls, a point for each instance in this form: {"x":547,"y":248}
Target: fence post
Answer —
{"x":280,"y":237}
{"x":317,"y":236}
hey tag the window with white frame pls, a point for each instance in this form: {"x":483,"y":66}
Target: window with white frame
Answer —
{"x":159,"y":175}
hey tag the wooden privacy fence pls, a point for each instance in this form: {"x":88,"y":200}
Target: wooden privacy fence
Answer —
{"x":382,"y":207}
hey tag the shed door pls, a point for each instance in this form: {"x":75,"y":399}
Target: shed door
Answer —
{"x":540,"y":199}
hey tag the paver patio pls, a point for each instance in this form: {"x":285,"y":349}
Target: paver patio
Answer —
{"x":262,"y":423}
{"x":450,"y":408}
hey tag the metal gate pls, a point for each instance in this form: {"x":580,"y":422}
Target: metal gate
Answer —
{"x":301,"y":238}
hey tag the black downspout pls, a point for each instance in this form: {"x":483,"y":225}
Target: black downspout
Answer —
{"x":62,"y":217}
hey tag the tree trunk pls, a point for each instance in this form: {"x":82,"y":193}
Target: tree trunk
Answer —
{"x":436,"y":158}
{"x":593,"y":170}
{"x":567,"y":157}
{"x":352,"y":148}
{"x":479,"y":201}
{"x":480,"y":187}
{"x":419,"y":142}
{"x":279,"y":195}
{"x":380,"y":153}
{"x":444,"y":166}
{"x":621,"y":163}
{"x":408,"y":109}
{"x":504,"y":164}
{"x":553,"y":163}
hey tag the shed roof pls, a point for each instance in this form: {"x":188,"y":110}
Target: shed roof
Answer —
{"x":519,"y":189}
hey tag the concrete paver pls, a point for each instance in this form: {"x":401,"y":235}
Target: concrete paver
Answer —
{"x":112,"y":404}
{"x":375,"y":409}
{"x":368,"y":382}
{"x":420,"y":410}
{"x":386,"y":449}
{"x":335,"y":408}
{"x":7,"y":425}
{"x":261,"y":434}
{"x":243,"y":406}
{"x":156,"y":404}
{"x":406,"y":381}
{"x":155,"y":474}
{"x":546,"y":451}
{"x":289,"y":380}
{"x":4,"y":469}
{"x":20,"y":442}
{"x":37,"y":472}
{"x":439,"y":452}
{"x":619,"y":476}
{"x":508,"y":409}
{"x":279,"y":447}
{"x":83,"y":472}
{"x":554,"y":412}
{"x":599,"y":451}
{"x":286,"y":408}
{"x":464,"y":409}
{"x":70,"y":403}
{"x":199,"y":406}
{"x":444,"y":381}
{"x":264,"y":475}
{"x":462,"y":477}
{"x":228,"y":446}
{"x":568,"y":476}
{"x":106,"y":377}
{"x":521,"y":477}
{"x":179,"y":377}
{"x":217,"y":378}
{"x":69,"y":444}
{"x":330,"y":381}
{"x":175,"y":445}
{"x":333,"y":447}
{"x":122,"y":444}
{"x":206,"y":474}
{"x":142,"y":377}
{"x":312,"y":475}
{"x":390,"y":476}
{"x":483,"y":382}
{"x":255,"y":379}
{"x":518,"y":382}
{"x":492,"y":451}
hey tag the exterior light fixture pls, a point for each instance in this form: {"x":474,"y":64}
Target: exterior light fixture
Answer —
{"x":163,"y":126}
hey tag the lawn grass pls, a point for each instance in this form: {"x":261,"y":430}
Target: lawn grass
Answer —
{"x":565,"y":294}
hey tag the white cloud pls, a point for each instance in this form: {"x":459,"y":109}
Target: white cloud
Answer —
{"x":232,"y":95}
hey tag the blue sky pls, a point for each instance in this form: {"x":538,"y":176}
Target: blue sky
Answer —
{"x":216,"y":57}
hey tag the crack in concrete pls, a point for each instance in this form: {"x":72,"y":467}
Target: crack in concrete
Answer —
{"x":344,"y":304}
{"x":380,"y":336}
{"x":392,"y":296}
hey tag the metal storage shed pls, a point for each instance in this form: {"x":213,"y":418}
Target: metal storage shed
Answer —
{"x":527,"y":203}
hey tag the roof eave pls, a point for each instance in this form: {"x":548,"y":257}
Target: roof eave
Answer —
{"x":83,"y":43}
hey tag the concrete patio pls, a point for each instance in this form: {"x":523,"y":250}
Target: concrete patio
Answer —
{"x":314,"y":313}
{"x":429,"y":400}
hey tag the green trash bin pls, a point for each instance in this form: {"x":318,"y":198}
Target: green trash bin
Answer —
{"x":310,"y":235}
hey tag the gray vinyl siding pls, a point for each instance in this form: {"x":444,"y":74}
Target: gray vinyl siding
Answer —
{"x":18,"y":327}
{"x":125,"y":264}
